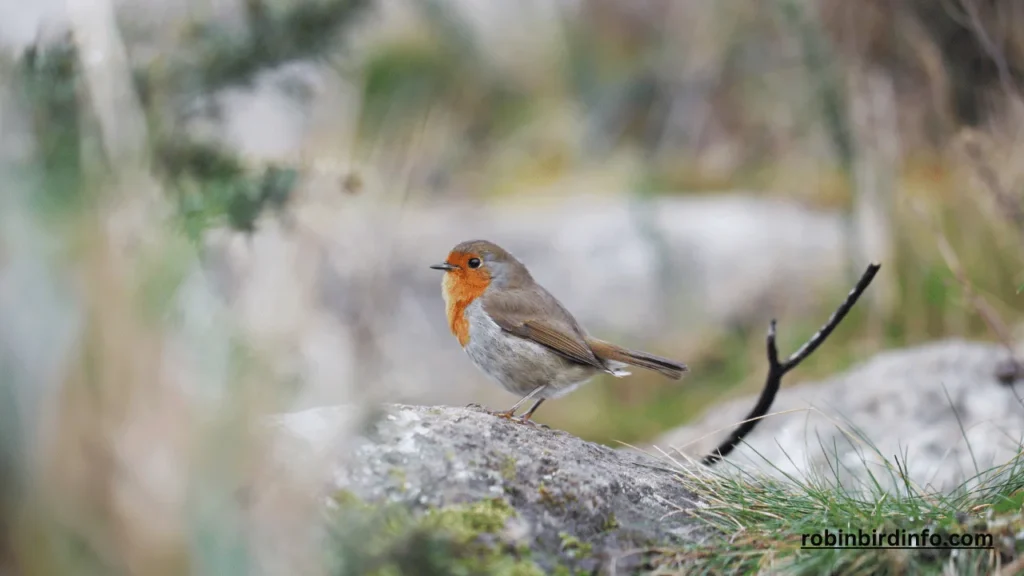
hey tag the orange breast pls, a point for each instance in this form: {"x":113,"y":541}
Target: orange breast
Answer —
{"x":460,"y":289}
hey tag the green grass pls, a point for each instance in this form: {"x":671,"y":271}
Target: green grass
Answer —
{"x":763,"y":520}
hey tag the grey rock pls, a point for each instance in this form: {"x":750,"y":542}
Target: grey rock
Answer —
{"x":939,"y":407}
{"x":430,"y":457}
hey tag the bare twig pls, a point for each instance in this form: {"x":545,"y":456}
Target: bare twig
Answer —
{"x":777,"y":370}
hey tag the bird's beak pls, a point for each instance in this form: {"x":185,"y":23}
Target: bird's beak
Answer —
{"x":444,"y":266}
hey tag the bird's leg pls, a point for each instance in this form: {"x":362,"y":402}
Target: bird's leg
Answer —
{"x":525,"y":418}
{"x":512,"y":411}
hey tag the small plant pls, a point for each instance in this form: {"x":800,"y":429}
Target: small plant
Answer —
{"x":767,"y":520}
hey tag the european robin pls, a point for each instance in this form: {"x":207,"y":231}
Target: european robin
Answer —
{"x":518,"y":334}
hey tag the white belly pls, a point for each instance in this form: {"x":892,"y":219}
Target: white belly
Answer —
{"x":518,"y":364}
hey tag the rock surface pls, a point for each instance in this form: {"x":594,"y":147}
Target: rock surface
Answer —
{"x":924,"y":404}
{"x":940,"y":407}
{"x":560,"y":487}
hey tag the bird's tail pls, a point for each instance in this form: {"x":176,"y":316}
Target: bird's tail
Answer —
{"x":664,"y":366}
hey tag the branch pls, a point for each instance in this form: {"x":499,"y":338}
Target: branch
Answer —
{"x":777,"y":370}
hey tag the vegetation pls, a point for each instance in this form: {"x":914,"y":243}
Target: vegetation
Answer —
{"x":128,"y":400}
{"x":459,"y":539}
{"x":767,"y":518}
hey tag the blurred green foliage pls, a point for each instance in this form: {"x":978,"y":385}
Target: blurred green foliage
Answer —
{"x":276,"y":33}
{"x":215,"y":189}
{"x":50,"y":81}
{"x":826,"y":79}
{"x":404,"y":81}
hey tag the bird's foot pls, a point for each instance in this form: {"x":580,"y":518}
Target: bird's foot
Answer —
{"x":525,"y":420}
{"x":507,"y":414}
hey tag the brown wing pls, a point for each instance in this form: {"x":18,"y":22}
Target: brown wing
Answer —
{"x":536,"y":315}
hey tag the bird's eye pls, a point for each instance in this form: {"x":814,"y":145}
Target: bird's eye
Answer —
{"x":474,"y":262}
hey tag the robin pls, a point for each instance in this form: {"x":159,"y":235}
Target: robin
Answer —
{"x":520,"y":335}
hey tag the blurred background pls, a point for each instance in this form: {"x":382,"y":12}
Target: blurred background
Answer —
{"x":215,"y":210}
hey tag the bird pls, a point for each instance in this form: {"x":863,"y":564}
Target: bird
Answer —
{"x":521,"y":336}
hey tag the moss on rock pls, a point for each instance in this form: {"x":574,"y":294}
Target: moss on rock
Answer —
{"x":462,"y":492}
{"x":459,"y":539}
{"x":573,"y":546}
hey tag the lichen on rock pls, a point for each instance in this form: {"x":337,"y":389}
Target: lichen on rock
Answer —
{"x":501,"y":497}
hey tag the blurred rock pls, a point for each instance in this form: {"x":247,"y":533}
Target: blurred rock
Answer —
{"x":660,"y":275}
{"x":939,"y":407}
{"x":558,"y":485}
